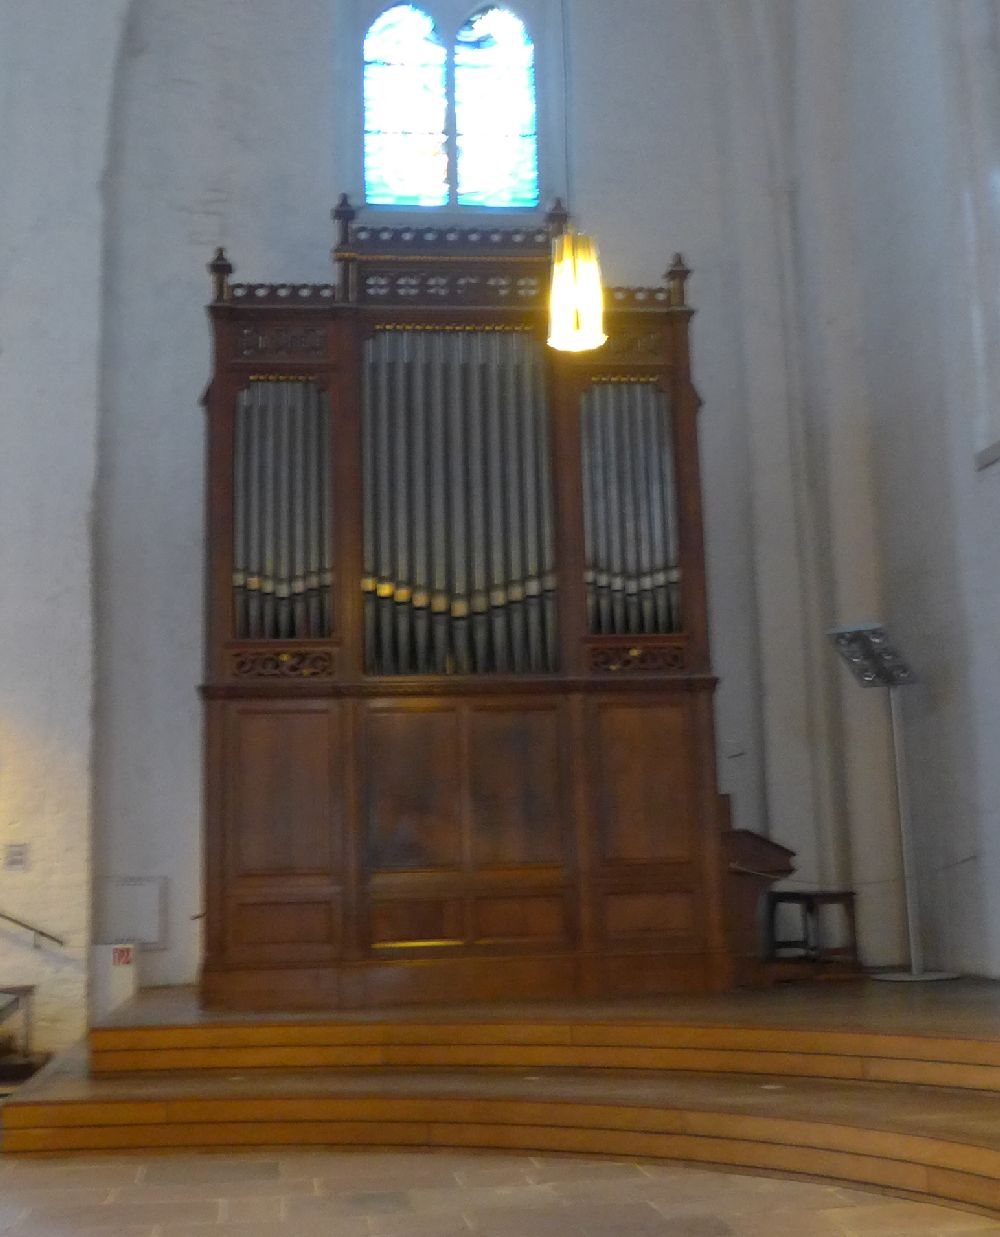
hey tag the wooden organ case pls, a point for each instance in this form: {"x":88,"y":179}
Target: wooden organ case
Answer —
{"x":459,"y":732}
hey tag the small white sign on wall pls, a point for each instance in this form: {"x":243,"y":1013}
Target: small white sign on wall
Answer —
{"x":135,"y":909}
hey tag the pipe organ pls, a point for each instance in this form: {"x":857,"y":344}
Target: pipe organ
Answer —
{"x":459,"y":733}
{"x":457,"y":494}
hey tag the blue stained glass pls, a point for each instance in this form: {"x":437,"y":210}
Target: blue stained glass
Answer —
{"x":495,"y":111}
{"x":406,"y":158}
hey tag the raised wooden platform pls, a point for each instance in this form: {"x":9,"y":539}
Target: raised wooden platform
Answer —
{"x":874,"y":1084}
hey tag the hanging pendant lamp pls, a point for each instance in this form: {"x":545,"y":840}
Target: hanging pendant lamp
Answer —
{"x":576,"y":298}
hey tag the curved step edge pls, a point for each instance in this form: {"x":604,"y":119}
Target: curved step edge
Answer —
{"x":943,"y":1169}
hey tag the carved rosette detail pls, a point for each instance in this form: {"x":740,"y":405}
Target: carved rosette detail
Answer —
{"x":452,"y":288}
{"x":282,"y":293}
{"x":365,"y":238}
{"x":637,"y":659}
{"x":637,"y":298}
{"x":283,"y":664}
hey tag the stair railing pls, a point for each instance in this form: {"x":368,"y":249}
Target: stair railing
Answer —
{"x":37,"y":932}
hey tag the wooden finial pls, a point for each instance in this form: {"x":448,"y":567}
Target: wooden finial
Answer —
{"x":557,"y":218}
{"x":677,"y":277}
{"x":342,"y":214}
{"x":220,"y":268}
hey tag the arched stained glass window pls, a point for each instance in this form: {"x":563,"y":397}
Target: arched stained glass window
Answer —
{"x":406,"y":105}
{"x":495,"y":113}
{"x":461,"y":131}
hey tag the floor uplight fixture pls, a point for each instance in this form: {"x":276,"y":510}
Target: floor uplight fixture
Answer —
{"x":874,"y":661}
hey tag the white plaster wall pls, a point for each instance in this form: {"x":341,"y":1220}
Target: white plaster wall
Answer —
{"x":226,"y":120}
{"x":756,"y":42}
{"x":224,"y":113}
{"x":56,"y":69}
{"x":840,"y":470}
{"x":939,"y":513}
{"x":648,"y":177}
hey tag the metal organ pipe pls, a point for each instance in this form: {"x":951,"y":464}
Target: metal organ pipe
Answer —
{"x":241,"y":596}
{"x":532,"y":525}
{"x":459,"y":654}
{"x":457,"y":508}
{"x":282,"y":513}
{"x":631,"y":576}
{"x":547,"y":537}
{"x":438,"y":533}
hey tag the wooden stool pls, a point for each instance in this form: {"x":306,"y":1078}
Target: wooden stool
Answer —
{"x":810,"y":943}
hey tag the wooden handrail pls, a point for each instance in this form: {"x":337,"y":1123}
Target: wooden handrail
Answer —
{"x":56,"y":940}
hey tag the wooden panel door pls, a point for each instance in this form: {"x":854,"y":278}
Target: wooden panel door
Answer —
{"x":412,"y":801}
{"x":411,"y":819}
{"x":516,"y":798}
{"x":283,"y":831}
{"x":645,"y":781}
{"x":520,"y":824}
{"x":464,"y":817}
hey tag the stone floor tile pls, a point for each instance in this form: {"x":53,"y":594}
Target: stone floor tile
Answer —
{"x":583,"y":1170}
{"x":36,"y":1195}
{"x":69,"y":1228}
{"x":373,"y":1162}
{"x":611,"y":1189}
{"x":339,"y":1206}
{"x":334,"y":1228}
{"x":376,"y":1202}
{"x":155,"y":1192}
{"x":484,"y":1198}
{"x":888,"y":1215}
{"x":253,"y":1210}
{"x":408,"y":1176}
{"x":10,"y":1212}
{"x":58,"y":1174}
{"x":785,"y":1223}
{"x":765,"y":1198}
{"x":416,"y":1194}
{"x":125,"y":1214}
{"x":570,"y":1220}
{"x":704,"y":1225}
{"x":420,"y":1224}
{"x":513,"y":1172}
{"x":183,"y":1169}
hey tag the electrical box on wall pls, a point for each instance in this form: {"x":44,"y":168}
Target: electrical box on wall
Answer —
{"x":134,"y":909}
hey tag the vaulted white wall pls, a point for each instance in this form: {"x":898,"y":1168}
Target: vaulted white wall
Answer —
{"x":927,"y":175}
{"x":56,"y":68}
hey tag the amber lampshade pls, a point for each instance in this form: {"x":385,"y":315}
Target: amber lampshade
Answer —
{"x":576,"y":304}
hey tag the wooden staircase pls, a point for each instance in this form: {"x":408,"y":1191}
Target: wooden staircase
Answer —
{"x":913,"y":1109}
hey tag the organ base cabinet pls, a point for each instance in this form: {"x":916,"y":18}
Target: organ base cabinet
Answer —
{"x":459,"y":729}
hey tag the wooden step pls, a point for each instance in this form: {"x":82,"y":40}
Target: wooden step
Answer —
{"x":566,"y":1043}
{"x":929,"y":1141}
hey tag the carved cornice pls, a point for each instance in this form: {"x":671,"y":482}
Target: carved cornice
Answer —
{"x":372,"y":240}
